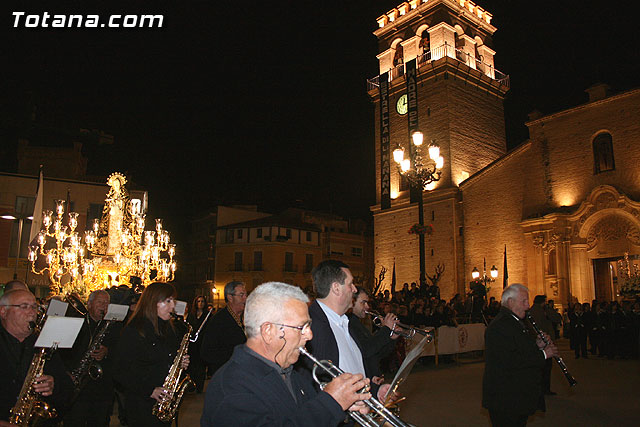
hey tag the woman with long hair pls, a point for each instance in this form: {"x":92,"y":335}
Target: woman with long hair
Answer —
{"x":197,"y":367}
{"x":146,"y":350}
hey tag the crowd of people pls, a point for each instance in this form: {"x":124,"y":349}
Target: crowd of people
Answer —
{"x":603,"y":329}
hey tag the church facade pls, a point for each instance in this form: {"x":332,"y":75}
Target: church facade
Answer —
{"x":563,"y":204}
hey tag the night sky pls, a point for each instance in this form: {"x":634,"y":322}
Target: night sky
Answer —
{"x":265,"y":102}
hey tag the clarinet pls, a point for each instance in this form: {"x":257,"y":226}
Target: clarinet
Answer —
{"x":563,"y":366}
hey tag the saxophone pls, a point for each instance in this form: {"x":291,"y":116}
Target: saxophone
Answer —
{"x":166,"y":409}
{"x":29,"y":407}
{"x":88,"y":366}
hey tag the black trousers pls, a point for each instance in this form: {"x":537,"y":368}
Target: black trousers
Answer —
{"x":88,"y":413}
{"x":139,"y":412}
{"x":546,"y":375}
{"x":504,"y":419}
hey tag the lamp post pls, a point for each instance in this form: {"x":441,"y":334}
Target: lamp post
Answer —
{"x":20,"y":218}
{"x":477,"y":305}
{"x":214,"y":290}
{"x":475,"y":274}
{"x":422,"y":172}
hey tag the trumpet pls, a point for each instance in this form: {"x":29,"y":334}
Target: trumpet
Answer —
{"x":406,"y":331}
{"x":374,"y":404}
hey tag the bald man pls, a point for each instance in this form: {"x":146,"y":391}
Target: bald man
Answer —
{"x":17,"y":309}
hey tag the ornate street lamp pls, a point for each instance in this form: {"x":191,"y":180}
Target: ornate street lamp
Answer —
{"x":475,"y":274}
{"x":422,"y":171}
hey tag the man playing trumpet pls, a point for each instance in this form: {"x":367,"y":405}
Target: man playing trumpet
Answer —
{"x":258,"y":385}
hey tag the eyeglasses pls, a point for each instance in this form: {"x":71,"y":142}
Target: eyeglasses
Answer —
{"x":243,"y":294}
{"x":23,"y":306}
{"x":303,"y":329}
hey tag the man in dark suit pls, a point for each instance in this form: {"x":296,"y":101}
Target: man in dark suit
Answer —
{"x":512,"y":383}
{"x":224,"y":330}
{"x":332,"y":338}
{"x":540,"y":315}
{"x":258,"y":386}
{"x":376,"y":345}
{"x":18,"y":308}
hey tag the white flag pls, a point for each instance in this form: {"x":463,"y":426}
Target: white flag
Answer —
{"x":36,"y":222}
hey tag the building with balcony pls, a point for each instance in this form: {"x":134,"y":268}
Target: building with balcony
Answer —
{"x":275,"y":248}
{"x":198,"y":266}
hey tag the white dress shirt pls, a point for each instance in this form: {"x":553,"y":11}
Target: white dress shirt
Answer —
{"x":350,"y":358}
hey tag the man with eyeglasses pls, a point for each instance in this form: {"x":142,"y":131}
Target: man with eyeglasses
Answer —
{"x":225,"y":329}
{"x":258,"y":386}
{"x":17,"y":309}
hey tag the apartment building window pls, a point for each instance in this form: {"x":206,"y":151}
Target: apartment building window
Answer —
{"x":239,"y":234}
{"x":288,"y":233}
{"x":257,"y":261}
{"x":337,"y":249}
{"x":603,"y":153}
{"x":259,"y":233}
{"x":230,"y":235}
{"x":308,"y":263}
{"x":308,"y":236}
{"x":237,"y":264}
{"x":288,"y":261}
{"x":356,"y":251}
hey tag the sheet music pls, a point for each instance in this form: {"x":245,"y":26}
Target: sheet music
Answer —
{"x":405,"y":369}
{"x":181,"y":307}
{"x":57,"y":308}
{"x":60,"y":332}
{"x":116,"y":312}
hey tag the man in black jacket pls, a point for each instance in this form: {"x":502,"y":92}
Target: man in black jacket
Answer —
{"x":17,"y":309}
{"x":332,"y":338}
{"x":258,"y":386}
{"x":376,"y":345}
{"x":512,"y":383}
{"x":225,"y":329}
{"x":540,"y":315}
{"x":94,"y":399}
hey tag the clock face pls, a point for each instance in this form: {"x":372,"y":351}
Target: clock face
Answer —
{"x":401,"y":105}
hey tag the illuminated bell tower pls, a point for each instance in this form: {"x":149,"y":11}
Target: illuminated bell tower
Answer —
{"x":456,"y":101}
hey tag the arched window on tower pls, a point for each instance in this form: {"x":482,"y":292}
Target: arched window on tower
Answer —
{"x":398,"y":62}
{"x":424,"y":46}
{"x":603,"y":153}
{"x":398,"y":57}
{"x":460,"y":48}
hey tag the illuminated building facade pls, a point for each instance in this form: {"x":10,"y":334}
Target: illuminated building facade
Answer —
{"x":563,"y":202}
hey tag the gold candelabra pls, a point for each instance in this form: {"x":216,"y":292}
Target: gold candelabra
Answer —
{"x":116,"y":247}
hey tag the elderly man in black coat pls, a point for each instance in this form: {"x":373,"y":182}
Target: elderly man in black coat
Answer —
{"x":512,"y":383}
{"x":225,"y":329}
{"x":258,"y":386}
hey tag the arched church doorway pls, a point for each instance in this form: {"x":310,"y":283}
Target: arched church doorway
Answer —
{"x":605,"y":278}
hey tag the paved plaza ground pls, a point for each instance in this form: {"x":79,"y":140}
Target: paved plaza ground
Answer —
{"x":607,"y":394}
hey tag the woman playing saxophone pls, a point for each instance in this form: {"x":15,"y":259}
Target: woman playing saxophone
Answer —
{"x":146,"y":351}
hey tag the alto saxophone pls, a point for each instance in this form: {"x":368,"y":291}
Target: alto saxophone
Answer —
{"x":29,"y":407}
{"x":88,"y":366}
{"x":166,"y":409}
